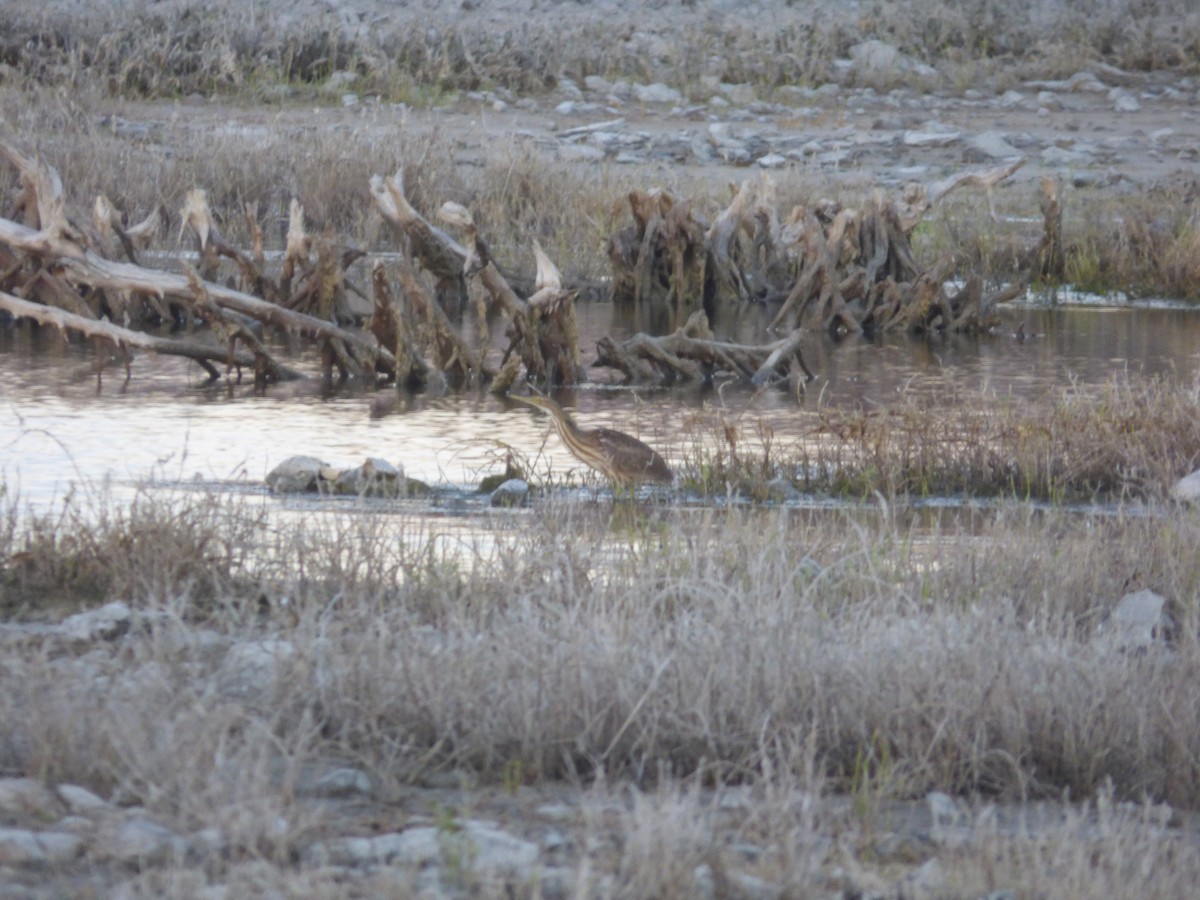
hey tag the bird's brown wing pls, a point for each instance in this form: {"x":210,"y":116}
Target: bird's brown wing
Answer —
{"x":632,"y":459}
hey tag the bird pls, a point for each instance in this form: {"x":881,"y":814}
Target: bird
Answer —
{"x":623,"y":460}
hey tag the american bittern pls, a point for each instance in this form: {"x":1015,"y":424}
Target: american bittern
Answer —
{"x":624,"y":460}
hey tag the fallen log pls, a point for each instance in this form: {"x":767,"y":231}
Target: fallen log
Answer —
{"x":81,"y":266}
{"x":206,"y":354}
{"x":690,"y":353}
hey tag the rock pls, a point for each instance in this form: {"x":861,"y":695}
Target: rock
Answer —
{"x":19,"y":846}
{"x":104,"y":624}
{"x":26,"y":797}
{"x":992,"y":145}
{"x":741,"y":94}
{"x":930,"y":138}
{"x":928,"y":880}
{"x":1061,"y":156}
{"x":779,"y":489}
{"x":374,"y":478}
{"x":80,"y":800}
{"x":493,"y":850}
{"x":1187,"y":489}
{"x":295,"y":475}
{"x":772,"y":161}
{"x":1138,"y":619}
{"x":140,"y":840}
{"x":581,"y":153}
{"x":479,"y":846}
{"x":877,"y":64}
{"x":1011,"y":99}
{"x":1123,"y":101}
{"x":252,"y":671}
{"x":597,"y":84}
{"x":569,"y":89}
{"x":343,"y":782}
{"x":1049,"y":100}
{"x":656,"y":93}
{"x":514,"y":492}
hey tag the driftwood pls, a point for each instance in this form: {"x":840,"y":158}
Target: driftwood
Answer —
{"x":55,"y":263}
{"x":543,"y":331}
{"x":831,"y":268}
{"x":1050,"y":261}
{"x":438,"y":253}
{"x":203,"y":352}
{"x":691,"y":353}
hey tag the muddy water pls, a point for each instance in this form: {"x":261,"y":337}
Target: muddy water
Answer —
{"x":60,"y":425}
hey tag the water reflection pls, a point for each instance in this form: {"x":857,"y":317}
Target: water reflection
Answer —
{"x":60,"y":424}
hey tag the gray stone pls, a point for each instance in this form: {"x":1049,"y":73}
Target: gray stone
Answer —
{"x":140,"y":840}
{"x":514,"y":492}
{"x":930,"y":138}
{"x":771,"y":161}
{"x":581,"y":153}
{"x":106,"y":623}
{"x":374,"y":478}
{"x":1138,"y":618}
{"x":253,"y":670}
{"x":343,"y":782}
{"x":1061,"y":156}
{"x":295,"y":474}
{"x":1011,"y":99}
{"x":1049,"y":100}
{"x":479,"y":846}
{"x":597,"y":84}
{"x":493,"y":850}
{"x":569,"y":89}
{"x":26,"y":797}
{"x":1187,"y":489}
{"x":1123,"y":101}
{"x":656,"y":93}
{"x":877,"y":64}
{"x":80,"y":800}
{"x":993,"y":145}
{"x":19,"y":846}
{"x":781,"y":489}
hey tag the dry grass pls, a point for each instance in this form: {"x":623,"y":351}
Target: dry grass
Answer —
{"x":872,"y":657}
{"x":227,"y":48}
{"x":1131,"y":438}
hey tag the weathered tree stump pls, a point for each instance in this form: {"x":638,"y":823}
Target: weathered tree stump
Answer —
{"x":832,"y":268}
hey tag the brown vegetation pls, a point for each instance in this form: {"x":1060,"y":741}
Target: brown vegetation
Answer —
{"x":875,"y":662}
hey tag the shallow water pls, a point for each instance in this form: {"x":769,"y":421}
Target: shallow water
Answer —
{"x":61,"y":425}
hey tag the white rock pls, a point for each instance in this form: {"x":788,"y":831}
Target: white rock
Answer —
{"x":930,"y":138}
{"x":771,"y":161}
{"x":140,"y":840}
{"x":1010,"y":99}
{"x":1123,"y":101}
{"x":108,"y":622}
{"x":24,"y":796}
{"x":1187,"y":489}
{"x":992,"y":144}
{"x":80,"y":800}
{"x":295,"y":474}
{"x":1137,"y":618}
{"x":343,"y":782}
{"x":514,"y":492}
{"x":252,"y":670}
{"x":656,"y":93}
{"x":19,"y":846}
{"x":493,"y":850}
